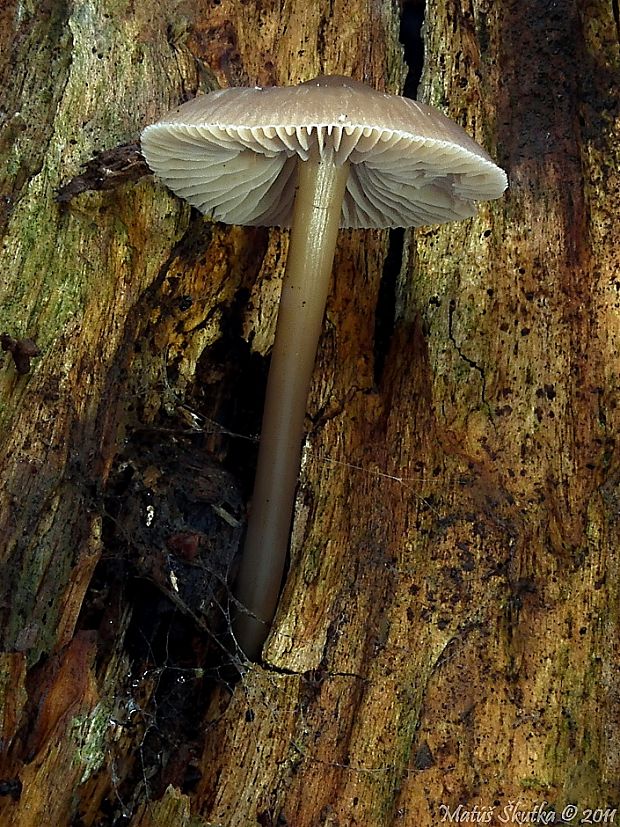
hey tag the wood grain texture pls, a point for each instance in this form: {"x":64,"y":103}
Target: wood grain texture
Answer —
{"x":448,"y":630}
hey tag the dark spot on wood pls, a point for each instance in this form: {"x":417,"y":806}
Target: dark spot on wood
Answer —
{"x":11,"y":787}
{"x":424,"y":757}
{"x":22,"y":351}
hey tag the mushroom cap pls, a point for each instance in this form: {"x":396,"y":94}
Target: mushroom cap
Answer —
{"x":233,"y":153}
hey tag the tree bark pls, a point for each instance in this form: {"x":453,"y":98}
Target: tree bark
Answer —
{"x":448,"y":631}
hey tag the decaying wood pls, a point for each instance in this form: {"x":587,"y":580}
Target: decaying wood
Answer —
{"x":448,"y":630}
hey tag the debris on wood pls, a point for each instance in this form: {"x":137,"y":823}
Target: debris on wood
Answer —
{"x":22,"y":351}
{"x":106,"y":171}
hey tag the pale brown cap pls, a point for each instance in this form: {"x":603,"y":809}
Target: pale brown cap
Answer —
{"x":232,"y":154}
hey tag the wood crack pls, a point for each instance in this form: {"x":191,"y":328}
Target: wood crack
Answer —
{"x":615,"y":8}
{"x":472,"y":364}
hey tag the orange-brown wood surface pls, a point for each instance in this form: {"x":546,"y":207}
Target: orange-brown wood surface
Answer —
{"x":448,"y":630}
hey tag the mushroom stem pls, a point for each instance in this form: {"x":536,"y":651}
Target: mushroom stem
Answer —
{"x":316,"y":219}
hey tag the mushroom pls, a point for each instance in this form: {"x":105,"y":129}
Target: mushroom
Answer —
{"x":329,"y":153}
